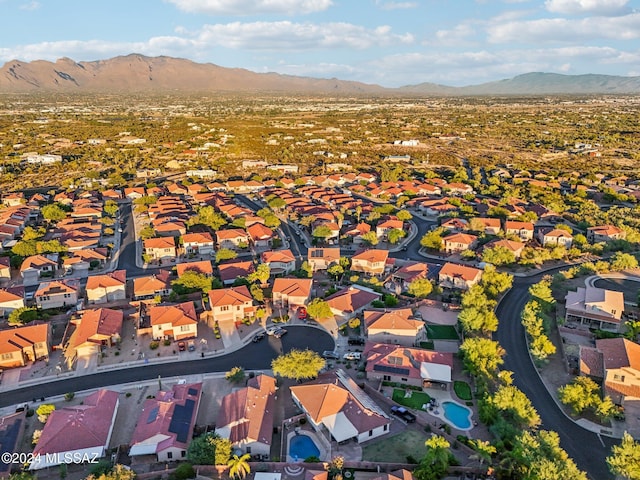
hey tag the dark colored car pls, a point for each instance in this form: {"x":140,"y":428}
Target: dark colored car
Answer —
{"x":257,"y":337}
{"x":182,"y":346}
{"x":330,"y":355}
{"x":403,"y":414}
{"x":302,"y":313}
{"x":280,"y":332}
{"x":355,"y":341}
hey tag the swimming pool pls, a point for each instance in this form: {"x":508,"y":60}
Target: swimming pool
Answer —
{"x":302,"y":446}
{"x":458,"y":415}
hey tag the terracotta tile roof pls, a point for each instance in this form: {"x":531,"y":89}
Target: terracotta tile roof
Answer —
{"x":504,"y":243}
{"x":57,"y":287}
{"x":514,"y":225}
{"x":230,"y":271}
{"x":5,"y":262}
{"x":396,"y":475}
{"x":79,"y":427}
{"x":15,"y":339}
{"x":230,"y":296}
{"x":382,"y":354}
{"x":96,"y":324}
{"x":257,"y":231}
{"x":412,"y":271}
{"x":293,"y":287}
{"x":463,"y":238}
{"x":392,"y":320}
{"x":159,"y":243}
{"x":37,"y":262}
{"x":176,"y":315}
{"x":168,"y":420}
{"x":557,"y":233}
{"x":372,"y":255}
{"x":203,"y":267}
{"x":452,"y":270}
{"x":113,"y":279}
{"x":198,"y":237}
{"x":249,"y":411}
{"x":328,"y":255}
{"x":230,"y":234}
{"x":9,"y":296}
{"x":351,"y":299}
{"x":282,"y":256}
{"x":152,"y":283}
{"x":591,"y":362}
{"x":619,"y":353}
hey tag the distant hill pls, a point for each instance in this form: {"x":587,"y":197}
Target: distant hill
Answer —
{"x":539,"y":83}
{"x":138,"y":73}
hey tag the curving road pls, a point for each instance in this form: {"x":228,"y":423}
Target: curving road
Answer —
{"x":254,"y":356}
{"x":586,"y":448}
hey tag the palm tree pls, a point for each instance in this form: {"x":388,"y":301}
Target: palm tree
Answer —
{"x":239,"y":466}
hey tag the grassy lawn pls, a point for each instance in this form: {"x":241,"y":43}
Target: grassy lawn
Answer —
{"x":416,"y":400}
{"x":428,"y":345}
{"x":395,"y":449}
{"x":442,"y":332}
{"x":462,"y":389}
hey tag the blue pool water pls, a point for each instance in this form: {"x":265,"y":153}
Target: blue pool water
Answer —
{"x":301,"y":447}
{"x":457,"y":415}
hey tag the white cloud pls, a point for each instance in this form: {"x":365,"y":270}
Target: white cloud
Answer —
{"x":30,"y":6}
{"x":596,"y":7}
{"x":626,"y":27}
{"x":298,"y":36}
{"x":458,"y":35}
{"x":252,"y":7}
{"x":395,"y":5}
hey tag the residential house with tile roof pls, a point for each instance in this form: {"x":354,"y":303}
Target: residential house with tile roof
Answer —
{"x":411,"y":366}
{"x":395,"y":326}
{"x":322,"y":258}
{"x":384,"y":227}
{"x":11,"y":299}
{"x":372,"y":261}
{"x":549,"y":236}
{"x":57,"y":294}
{"x":166,"y":423}
{"x":605,"y":233}
{"x":158,"y":284}
{"x":409,"y":272}
{"x":522,"y":230}
{"x":514,"y":247}
{"x":231,"y":304}
{"x":260,"y":235}
{"x":83,"y":429}
{"x":246,"y":416}
{"x":457,"y":276}
{"x":279,"y":261}
{"x":94,"y":329}
{"x":161,"y":248}
{"x":203,"y":267}
{"x":291,"y":292}
{"x":230,"y":271}
{"x":177,"y":322}
{"x":459,"y":242}
{"x":197,"y":243}
{"x":38,"y":263}
{"x":350,"y":301}
{"x":21,"y":345}
{"x":596,"y":307}
{"x":232,"y":239}
{"x":5,"y":268}
{"x":110,"y":287}
{"x":336,"y":403}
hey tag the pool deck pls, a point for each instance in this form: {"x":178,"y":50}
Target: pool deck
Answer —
{"x":445,"y":396}
{"x":318,"y":442}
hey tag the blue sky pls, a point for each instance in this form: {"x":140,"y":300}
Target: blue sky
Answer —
{"x":388,"y":42}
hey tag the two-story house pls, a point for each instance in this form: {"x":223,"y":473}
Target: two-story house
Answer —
{"x":279,"y":261}
{"x":57,"y":294}
{"x":156,"y":285}
{"x":110,"y":287}
{"x":522,"y":230}
{"x":291,"y":292}
{"x":457,"y":276}
{"x":372,"y":261}
{"x":232,"y":239}
{"x":21,"y":345}
{"x":231,"y":304}
{"x":393,"y":326}
{"x":94,"y":329}
{"x":177,"y":322}
{"x":459,"y":242}
{"x":555,"y":236}
{"x":260,"y":235}
{"x":596,"y":307}
{"x":322,"y":258}
{"x":161,"y":248}
{"x":197,"y":243}
{"x":605,"y":233}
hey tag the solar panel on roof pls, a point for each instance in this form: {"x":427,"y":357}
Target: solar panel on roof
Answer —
{"x":181,"y":420}
{"x":193,"y":392}
{"x":153,"y":414}
{"x":388,"y":369}
{"x":317,"y":253}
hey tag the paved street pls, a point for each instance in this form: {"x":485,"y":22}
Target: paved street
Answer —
{"x":254,"y":356}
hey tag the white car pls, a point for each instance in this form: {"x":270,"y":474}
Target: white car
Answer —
{"x":272,"y":329}
{"x":352,"y":356}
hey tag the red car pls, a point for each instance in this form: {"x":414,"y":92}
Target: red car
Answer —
{"x":302,"y":313}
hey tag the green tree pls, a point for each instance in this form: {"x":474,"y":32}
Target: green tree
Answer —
{"x":542,"y":347}
{"x":319,"y":309}
{"x":484,"y":450}
{"x":474,"y":320}
{"x":623,"y":261}
{"x":235,"y":375}
{"x":335,"y":271}
{"x":404,"y":215}
{"x":494,"y":282}
{"x":436,"y":461}
{"x":298,"y":364}
{"x":272,"y":222}
{"x":498,"y":255}
{"x":147,"y":232}
{"x":395,"y":235}
{"x":209,"y":449}
{"x":510,"y":403}
{"x":433,"y":239}
{"x":261,"y":274}
{"x":370,"y":238}
{"x":625,"y":458}
{"x":191,"y":281}
{"x":208,"y":216}
{"x":482,"y":356}
{"x":44,"y":410}
{"x":118,"y":472}
{"x":239,"y":466}
{"x":256,"y":292}
{"x":53,"y":213}
{"x":541,"y":291}
{"x":110,"y":208}
{"x":321,"y":231}
{"x":580,"y":394}
{"x":307,"y":269}
{"x":31,"y":233}
{"x":225,"y":254}
{"x":22,"y":315}
{"x":420,"y":288}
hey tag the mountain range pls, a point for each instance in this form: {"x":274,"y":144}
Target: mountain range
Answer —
{"x":139,"y":73}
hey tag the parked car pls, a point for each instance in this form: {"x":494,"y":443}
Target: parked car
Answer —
{"x":330,"y":355}
{"x":272,"y":329}
{"x":182,"y":346}
{"x":302,"y":313}
{"x":280,"y":332}
{"x":403,"y":414}
{"x":257,"y":337}
{"x":352,"y":356}
{"x":191,"y":346}
{"x":356,"y":341}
